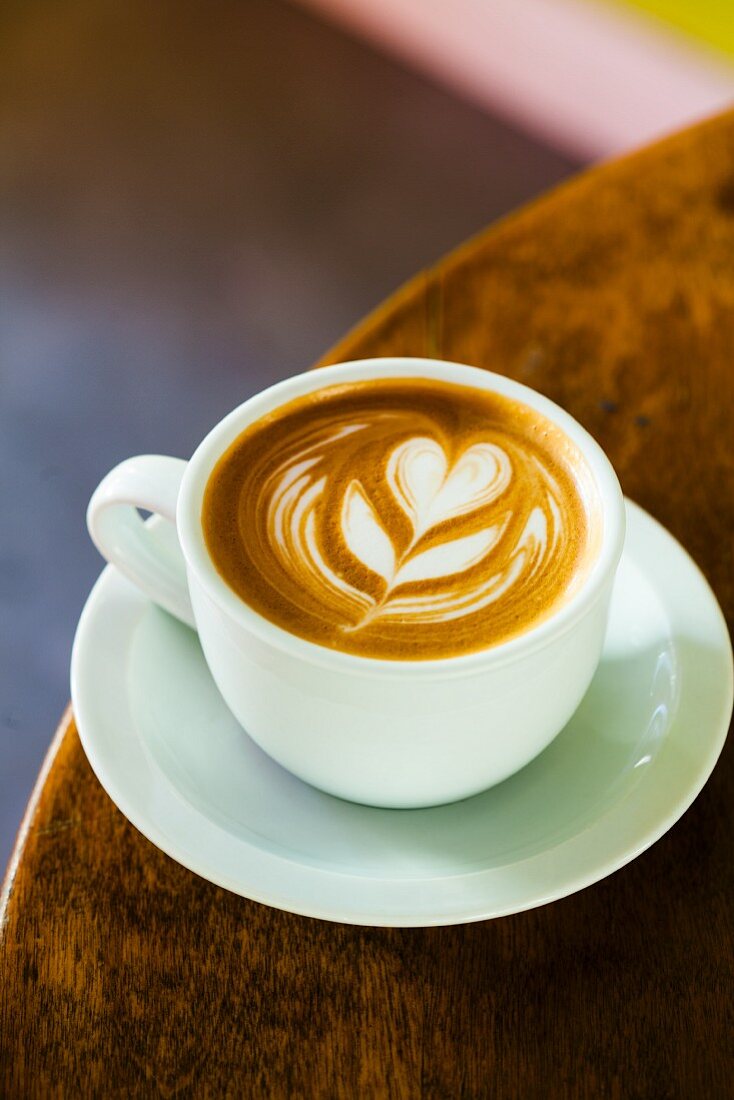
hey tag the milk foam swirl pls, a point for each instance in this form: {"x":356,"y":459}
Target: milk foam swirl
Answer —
{"x":426,"y":579}
{"x":393,"y":530}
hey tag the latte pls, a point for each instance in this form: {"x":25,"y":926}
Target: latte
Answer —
{"x":402,"y":518}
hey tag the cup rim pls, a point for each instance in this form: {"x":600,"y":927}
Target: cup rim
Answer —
{"x":206,"y":455}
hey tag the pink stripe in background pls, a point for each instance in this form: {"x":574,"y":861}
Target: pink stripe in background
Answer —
{"x":588,"y":78}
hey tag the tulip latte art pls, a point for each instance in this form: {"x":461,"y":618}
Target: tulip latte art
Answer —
{"x":402,"y":518}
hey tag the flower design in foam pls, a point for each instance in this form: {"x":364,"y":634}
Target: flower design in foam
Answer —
{"x":438,"y":574}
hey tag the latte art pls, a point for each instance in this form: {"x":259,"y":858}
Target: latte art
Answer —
{"x":431,"y":494}
{"x":400,"y":518}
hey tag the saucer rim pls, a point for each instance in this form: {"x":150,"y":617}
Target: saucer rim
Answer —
{"x":632,"y":838}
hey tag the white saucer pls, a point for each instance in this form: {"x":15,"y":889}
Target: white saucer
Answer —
{"x":631,"y":761}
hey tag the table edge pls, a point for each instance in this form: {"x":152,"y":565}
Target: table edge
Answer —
{"x":65,"y":725}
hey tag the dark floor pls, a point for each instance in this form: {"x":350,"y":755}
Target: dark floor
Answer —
{"x":196,"y":199}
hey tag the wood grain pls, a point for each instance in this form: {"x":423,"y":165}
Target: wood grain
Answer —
{"x":125,"y":975}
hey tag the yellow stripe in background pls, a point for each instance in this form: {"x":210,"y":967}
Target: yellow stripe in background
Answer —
{"x":710,"y":21}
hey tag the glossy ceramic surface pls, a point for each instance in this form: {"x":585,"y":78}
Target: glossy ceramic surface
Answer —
{"x":394,"y":734}
{"x":632,"y":759}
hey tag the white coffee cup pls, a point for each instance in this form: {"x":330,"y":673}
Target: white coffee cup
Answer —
{"x":382,"y":732}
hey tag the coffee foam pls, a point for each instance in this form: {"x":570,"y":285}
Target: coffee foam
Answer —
{"x":401,"y":518}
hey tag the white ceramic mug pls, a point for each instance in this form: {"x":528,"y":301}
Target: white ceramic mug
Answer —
{"x":382,"y":732}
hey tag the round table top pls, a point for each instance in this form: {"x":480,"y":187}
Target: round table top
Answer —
{"x":124,"y":973}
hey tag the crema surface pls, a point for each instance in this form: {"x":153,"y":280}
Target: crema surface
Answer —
{"x":402,"y":518}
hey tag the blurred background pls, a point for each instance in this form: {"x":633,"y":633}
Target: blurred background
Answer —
{"x":197,"y":199}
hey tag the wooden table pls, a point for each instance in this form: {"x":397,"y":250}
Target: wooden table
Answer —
{"x":125,"y":975}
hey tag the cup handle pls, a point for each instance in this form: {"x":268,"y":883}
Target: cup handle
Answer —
{"x":120,"y":534}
